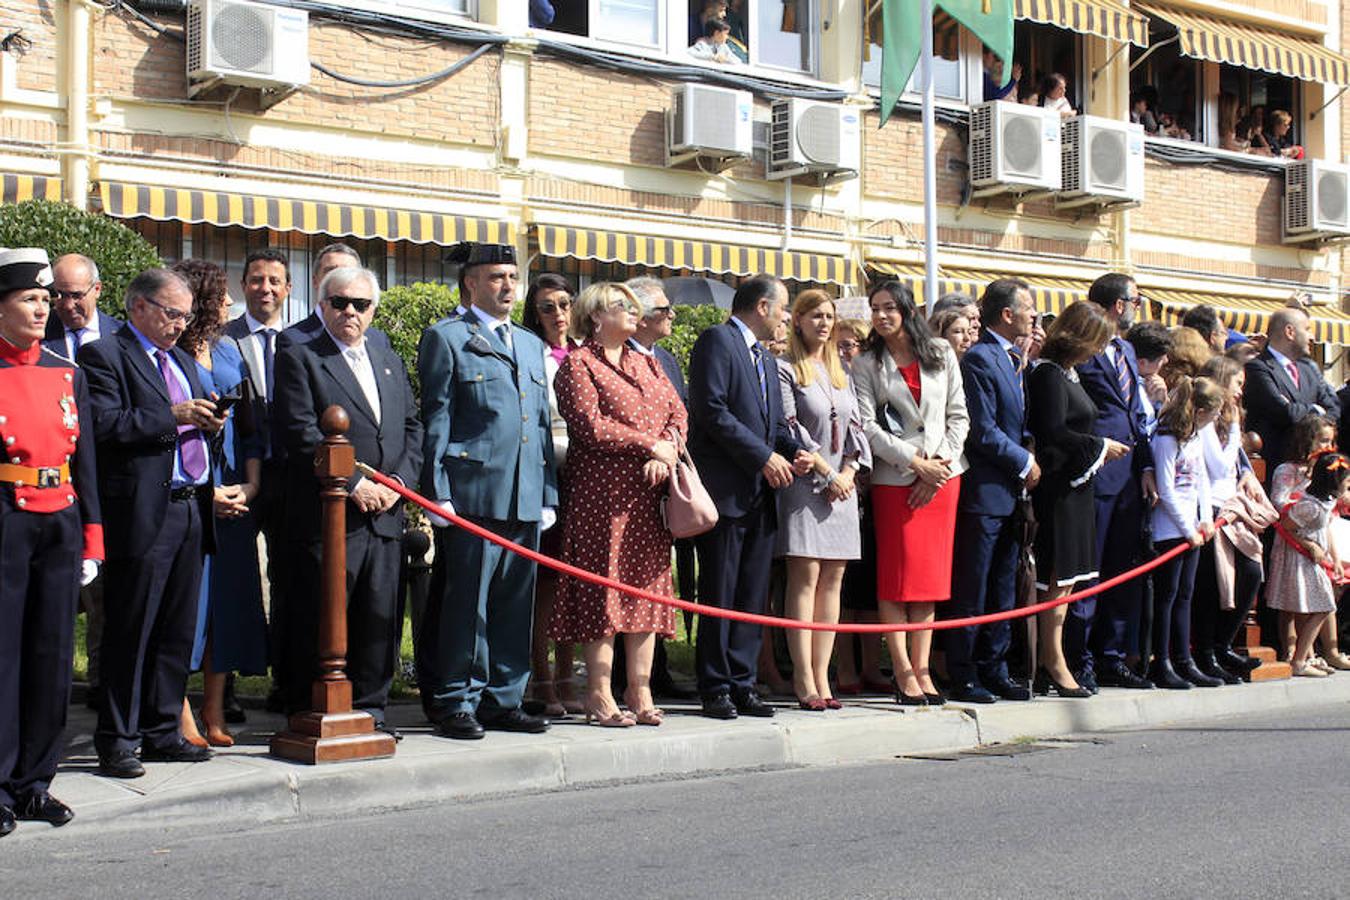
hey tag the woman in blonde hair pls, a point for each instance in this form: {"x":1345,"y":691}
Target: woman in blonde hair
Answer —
{"x":818,"y":529}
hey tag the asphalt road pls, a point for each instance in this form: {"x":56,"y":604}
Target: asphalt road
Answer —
{"x":1250,"y":808}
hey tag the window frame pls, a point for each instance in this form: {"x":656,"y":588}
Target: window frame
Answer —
{"x":971,"y":69}
{"x":414,"y":10}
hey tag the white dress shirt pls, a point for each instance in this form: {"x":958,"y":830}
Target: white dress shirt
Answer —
{"x":358,"y":360}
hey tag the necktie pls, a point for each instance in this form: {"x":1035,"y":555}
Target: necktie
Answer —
{"x":365,"y":376}
{"x":757,"y":353}
{"x":1016,"y":364}
{"x":191,"y":453}
{"x":1293,"y":373}
{"x":1123,"y":371}
{"x":268,"y":336}
{"x":76,"y":340}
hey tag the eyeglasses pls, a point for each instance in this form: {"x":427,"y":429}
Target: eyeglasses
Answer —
{"x":849,"y":345}
{"x":1137,"y":299}
{"x":77,"y":296}
{"x":173,"y":315}
{"x":623,"y":305}
{"x":657,"y":311}
{"x":548,"y":309}
{"x":360,"y":304}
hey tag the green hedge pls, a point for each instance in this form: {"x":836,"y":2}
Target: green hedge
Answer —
{"x":59,"y":228}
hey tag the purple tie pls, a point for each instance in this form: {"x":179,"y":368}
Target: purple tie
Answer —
{"x":190,"y":449}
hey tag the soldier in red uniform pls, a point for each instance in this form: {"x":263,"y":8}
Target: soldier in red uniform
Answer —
{"x":51,"y":539}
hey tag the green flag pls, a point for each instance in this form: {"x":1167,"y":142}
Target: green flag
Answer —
{"x":989,"y":20}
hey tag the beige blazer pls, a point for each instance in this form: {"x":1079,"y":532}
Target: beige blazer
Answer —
{"x":936,"y":427}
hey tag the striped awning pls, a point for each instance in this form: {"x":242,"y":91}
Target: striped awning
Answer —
{"x":1253,"y":46}
{"x":1250,"y":315}
{"x":125,"y":201}
{"x":695,"y":256}
{"x":18,"y":188}
{"x":1104,"y":18}
{"x":1049,"y":294}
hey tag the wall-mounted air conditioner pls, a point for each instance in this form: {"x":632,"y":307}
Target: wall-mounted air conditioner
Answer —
{"x":811,"y":138}
{"x":1014,"y":148}
{"x":246,"y":44}
{"x":1316,"y":204}
{"x":709,"y":123}
{"x":1103,"y":161}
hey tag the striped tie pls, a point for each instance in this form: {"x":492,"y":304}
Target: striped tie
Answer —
{"x":1123,"y":371}
{"x":757,"y":354}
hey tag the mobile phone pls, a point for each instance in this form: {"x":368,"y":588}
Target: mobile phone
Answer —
{"x":223,"y":404}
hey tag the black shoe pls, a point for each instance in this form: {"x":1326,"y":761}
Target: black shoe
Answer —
{"x":120,"y":764}
{"x":391,"y":731}
{"x":7,"y":821}
{"x":1042,"y":684}
{"x":1164,"y":676}
{"x":972,"y":693}
{"x":1206,"y":662}
{"x":234,"y":713}
{"x":1236,"y":662}
{"x":462,"y":726}
{"x":1119,"y":675}
{"x":1188,"y":670}
{"x":44,"y":807}
{"x":182,"y":751}
{"x":719,"y":707}
{"x":906,"y":699}
{"x":938,"y":699}
{"x":749,"y":704}
{"x":516,"y":720}
{"x":1087,"y":680}
{"x":1010,"y":690}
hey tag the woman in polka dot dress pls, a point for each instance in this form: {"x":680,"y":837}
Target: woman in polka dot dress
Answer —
{"x":624,"y":422}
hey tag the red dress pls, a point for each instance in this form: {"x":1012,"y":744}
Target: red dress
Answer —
{"x":612,"y":521}
{"x":914,"y":546}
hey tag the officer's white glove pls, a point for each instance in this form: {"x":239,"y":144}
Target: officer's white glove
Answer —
{"x":437,"y":520}
{"x":548,"y":517}
{"x":89,"y":571}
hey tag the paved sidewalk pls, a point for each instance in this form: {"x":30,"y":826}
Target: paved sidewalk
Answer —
{"x":243,"y":786}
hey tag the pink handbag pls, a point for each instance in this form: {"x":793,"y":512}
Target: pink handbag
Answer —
{"x":688,"y":508}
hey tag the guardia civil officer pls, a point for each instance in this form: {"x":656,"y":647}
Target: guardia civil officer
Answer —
{"x":51,"y":537}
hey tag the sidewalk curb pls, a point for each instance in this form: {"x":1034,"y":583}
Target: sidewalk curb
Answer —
{"x":246,"y":788}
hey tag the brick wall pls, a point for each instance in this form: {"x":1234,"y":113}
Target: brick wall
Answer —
{"x":595,"y":114}
{"x":1206,"y":203}
{"x":38,"y":66}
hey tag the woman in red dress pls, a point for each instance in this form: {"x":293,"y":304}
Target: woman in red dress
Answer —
{"x":913,"y":410}
{"x":624,"y":422}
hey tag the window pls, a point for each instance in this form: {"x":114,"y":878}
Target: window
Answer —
{"x":1166,"y":89}
{"x":637,"y":22}
{"x":950,"y":72}
{"x":1258,"y":94}
{"x":782,"y":34}
{"x":1043,"y":51}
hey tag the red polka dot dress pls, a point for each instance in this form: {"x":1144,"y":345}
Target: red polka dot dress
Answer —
{"x":613,"y":524}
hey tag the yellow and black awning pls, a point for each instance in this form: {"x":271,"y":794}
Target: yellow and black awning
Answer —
{"x":1253,"y":46}
{"x":1250,"y":315}
{"x":1104,"y":18}
{"x":125,"y":201}
{"x":18,"y":188}
{"x":695,"y":256}
{"x":1050,"y":294}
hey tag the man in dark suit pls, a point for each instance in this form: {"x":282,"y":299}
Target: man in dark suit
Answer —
{"x":76,"y":289}
{"x":151,"y":419}
{"x":1284,"y":385}
{"x":1108,"y":625}
{"x":339,"y":366}
{"x":741,"y":444}
{"x":984,"y":570}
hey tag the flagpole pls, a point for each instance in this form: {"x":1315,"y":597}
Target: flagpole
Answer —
{"x":930,"y":240}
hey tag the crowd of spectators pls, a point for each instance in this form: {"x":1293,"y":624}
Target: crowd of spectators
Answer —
{"x":889,"y":467}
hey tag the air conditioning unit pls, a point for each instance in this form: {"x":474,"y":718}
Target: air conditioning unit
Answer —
{"x":1013,"y":148}
{"x":1103,"y":161}
{"x":811,"y":138}
{"x":246,"y":44}
{"x":1315,"y":199}
{"x":711,"y":122}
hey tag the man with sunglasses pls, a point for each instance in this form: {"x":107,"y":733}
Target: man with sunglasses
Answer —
{"x":78,"y":321}
{"x":151,"y":421}
{"x":341,"y":366}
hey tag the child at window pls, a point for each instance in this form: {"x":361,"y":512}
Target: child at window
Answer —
{"x":713,"y":46}
{"x":1054,"y":87}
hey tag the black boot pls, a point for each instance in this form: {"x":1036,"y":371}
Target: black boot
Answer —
{"x":234,"y":713}
{"x":1163,"y":675}
{"x":1206,"y":663}
{"x":1186,"y":668}
{"x":1235,"y":662}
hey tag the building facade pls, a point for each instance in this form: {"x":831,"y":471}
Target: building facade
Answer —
{"x":547,"y":125}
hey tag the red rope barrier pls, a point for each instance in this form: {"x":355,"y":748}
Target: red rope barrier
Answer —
{"x":758,"y":618}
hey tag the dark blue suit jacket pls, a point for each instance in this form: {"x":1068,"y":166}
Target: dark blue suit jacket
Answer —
{"x":136,"y":436}
{"x":671,"y":366}
{"x":1274,"y":404}
{"x":995,"y":447}
{"x":731,"y":436}
{"x":1117,"y":420}
{"x":55,"y":338}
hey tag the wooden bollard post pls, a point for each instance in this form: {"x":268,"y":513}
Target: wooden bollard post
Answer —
{"x":333,"y":731}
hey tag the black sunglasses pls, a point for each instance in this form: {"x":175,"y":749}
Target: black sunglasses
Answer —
{"x":548,"y":309}
{"x":361,"y":304}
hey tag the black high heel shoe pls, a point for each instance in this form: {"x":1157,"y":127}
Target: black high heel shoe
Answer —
{"x":906,"y":699}
{"x":1041,"y":685}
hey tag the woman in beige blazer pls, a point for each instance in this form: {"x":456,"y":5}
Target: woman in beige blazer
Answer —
{"x":914,"y":415}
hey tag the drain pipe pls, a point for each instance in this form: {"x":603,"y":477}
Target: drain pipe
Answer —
{"x":77,"y":104}
{"x":787,"y":213}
